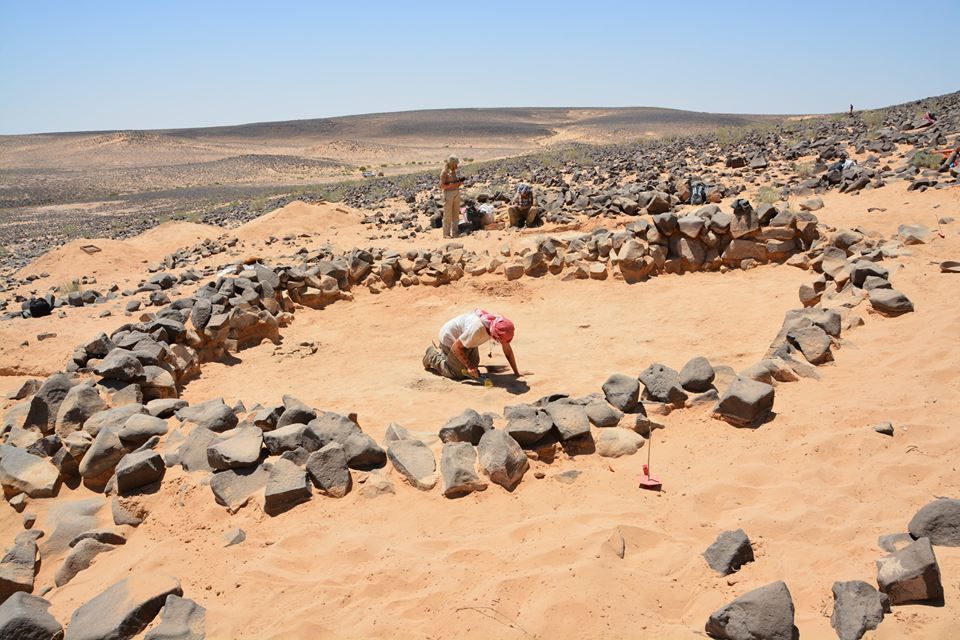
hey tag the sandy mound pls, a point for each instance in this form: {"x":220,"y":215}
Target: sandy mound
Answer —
{"x":117,"y":260}
{"x":335,"y":221}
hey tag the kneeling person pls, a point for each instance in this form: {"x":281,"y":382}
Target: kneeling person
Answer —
{"x":522,"y":211}
{"x":458,"y":357}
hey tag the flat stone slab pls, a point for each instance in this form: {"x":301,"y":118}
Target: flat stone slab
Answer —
{"x":22,"y":472}
{"x":415,"y":462}
{"x":234,"y":487}
{"x":124,"y":609}
{"x":25,"y":617}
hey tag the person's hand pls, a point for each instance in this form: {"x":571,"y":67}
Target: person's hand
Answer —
{"x":474,"y":373}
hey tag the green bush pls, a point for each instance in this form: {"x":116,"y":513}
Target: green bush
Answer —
{"x":873,"y":118}
{"x":926,"y":160}
{"x":68,"y":287}
{"x":71,"y":231}
{"x":768,"y":195}
{"x":804,"y":170}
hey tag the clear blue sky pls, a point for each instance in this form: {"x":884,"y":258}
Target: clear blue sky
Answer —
{"x":81,"y":65}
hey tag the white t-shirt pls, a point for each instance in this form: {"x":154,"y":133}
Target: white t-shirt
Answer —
{"x":468,"y":328}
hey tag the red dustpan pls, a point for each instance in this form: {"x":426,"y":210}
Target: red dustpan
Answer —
{"x":647,"y":480}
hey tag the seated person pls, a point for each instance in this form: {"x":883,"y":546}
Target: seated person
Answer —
{"x":523,"y":211}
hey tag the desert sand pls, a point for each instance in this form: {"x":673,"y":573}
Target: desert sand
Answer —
{"x":813,"y":489}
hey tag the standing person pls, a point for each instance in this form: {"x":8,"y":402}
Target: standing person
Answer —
{"x":522,"y":211}
{"x":458,"y":357}
{"x":851,"y":110}
{"x":450,"y":183}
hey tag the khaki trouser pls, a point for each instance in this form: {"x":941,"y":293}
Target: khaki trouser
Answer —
{"x":451,"y":213}
{"x":446,"y":363}
{"x":523,"y":216}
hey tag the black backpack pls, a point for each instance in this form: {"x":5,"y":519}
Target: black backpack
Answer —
{"x":698,"y":194}
{"x":38,"y":307}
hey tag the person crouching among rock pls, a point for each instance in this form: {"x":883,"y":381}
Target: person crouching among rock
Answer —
{"x":458,"y":357}
{"x":523,"y":211}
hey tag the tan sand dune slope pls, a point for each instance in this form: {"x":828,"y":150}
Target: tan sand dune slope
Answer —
{"x":118,"y":258}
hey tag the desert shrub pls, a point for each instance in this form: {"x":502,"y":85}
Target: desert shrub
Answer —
{"x":68,"y":287}
{"x":71,"y":231}
{"x":804,"y":170}
{"x":926,"y":160}
{"x":873,"y":118}
{"x":768,"y":195}
{"x":730,"y":135}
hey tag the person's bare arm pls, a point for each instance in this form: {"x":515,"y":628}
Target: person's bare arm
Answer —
{"x":508,"y":351}
{"x":461,"y":353}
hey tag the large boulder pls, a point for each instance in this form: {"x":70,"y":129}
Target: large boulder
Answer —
{"x":890,"y":302}
{"x":180,"y":619}
{"x":286,"y":438}
{"x":813,"y":342}
{"x":80,"y":403}
{"x":746,"y":403}
{"x":22,"y":472}
{"x":526,"y":423}
{"x":240,"y":450}
{"x":939,"y":521}
{"x":80,"y":558}
{"x":18,"y":567}
{"x":911,"y":574}
{"x":616,"y":442}
{"x":501,"y":459}
{"x":192,"y":453}
{"x":233,"y":488}
{"x":602,"y":414}
{"x":697,"y":375}
{"x":287,"y":486}
{"x":329,"y":471}
{"x":165,"y":407}
{"x":570,"y":419}
{"x":467,"y":427}
{"x":140,"y":427}
{"x":362,"y":451}
{"x":120,"y":364}
{"x":762,"y":614}
{"x":857,"y":608}
{"x":633,"y":262}
{"x":103,"y":455}
{"x":123,"y":610}
{"x":25,"y":617}
{"x":114,"y":418}
{"x":622,"y":391}
{"x":458,"y":469}
{"x":46,"y":402}
{"x":295,"y":412}
{"x":139,"y":469}
{"x":415,"y":462}
{"x":662,"y":384}
{"x":730,"y":551}
{"x":214,"y":415}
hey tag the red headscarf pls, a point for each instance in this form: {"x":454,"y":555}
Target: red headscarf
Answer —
{"x":501,"y":328}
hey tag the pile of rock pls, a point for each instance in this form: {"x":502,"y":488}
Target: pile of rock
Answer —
{"x":847,"y":262}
